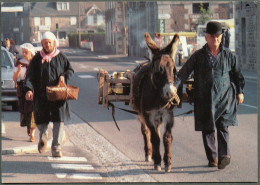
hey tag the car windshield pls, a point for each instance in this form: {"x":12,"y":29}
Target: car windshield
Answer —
{"x":37,"y":44}
{"x":5,"y":60}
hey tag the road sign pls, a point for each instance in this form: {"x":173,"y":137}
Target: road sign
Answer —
{"x":161,"y":25}
{"x":116,"y":29}
{"x":164,"y":16}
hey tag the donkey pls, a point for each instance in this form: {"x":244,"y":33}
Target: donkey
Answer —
{"x":153,"y":100}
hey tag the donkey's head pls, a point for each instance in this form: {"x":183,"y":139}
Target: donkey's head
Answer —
{"x":163,"y":65}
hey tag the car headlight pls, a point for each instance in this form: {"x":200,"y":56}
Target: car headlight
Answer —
{"x":8,"y":84}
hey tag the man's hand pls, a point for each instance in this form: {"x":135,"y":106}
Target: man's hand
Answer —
{"x":29,"y":96}
{"x":240,"y":98}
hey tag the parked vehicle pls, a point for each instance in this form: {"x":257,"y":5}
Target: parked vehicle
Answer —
{"x":37,"y":46}
{"x":8,"y":85}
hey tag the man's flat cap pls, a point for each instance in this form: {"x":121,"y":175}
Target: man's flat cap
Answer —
{"x":214,"y":27}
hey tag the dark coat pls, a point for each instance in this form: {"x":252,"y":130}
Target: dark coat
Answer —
{"x":216,"y":86}
{"x":39,"y":76}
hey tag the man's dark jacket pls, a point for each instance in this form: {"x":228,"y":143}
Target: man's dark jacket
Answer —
{"x":216,"y":86}
{"x":39,"y":76}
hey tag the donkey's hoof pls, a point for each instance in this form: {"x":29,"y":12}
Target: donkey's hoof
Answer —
{"x":168,"y":168}
{"x":148,"y":158}
{"x":157,"y":167}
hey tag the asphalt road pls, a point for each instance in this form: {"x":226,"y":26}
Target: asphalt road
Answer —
{"x":189,"y":160}
{"x":118,"y":156}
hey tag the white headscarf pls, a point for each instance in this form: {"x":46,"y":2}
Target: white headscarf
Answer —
{"x":51,"y":36}
{"x":29,"y":47}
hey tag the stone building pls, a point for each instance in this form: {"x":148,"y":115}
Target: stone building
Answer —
{"x":246,"y":34}
{"x":185,"y":14}
{"x":61,"y":18}
{"x":126,"y":23}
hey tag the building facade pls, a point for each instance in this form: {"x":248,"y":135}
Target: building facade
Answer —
{"x":246,"y":34}
{"x":61,"y":18}
{"x":126,"y":23}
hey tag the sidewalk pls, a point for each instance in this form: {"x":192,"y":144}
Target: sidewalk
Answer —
{"x":16,"y":141}
{"x":249,"y":75}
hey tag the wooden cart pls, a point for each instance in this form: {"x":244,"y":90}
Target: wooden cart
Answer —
{"x":117,"y":87}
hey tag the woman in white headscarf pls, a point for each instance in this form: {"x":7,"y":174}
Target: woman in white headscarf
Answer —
{"x":25,"y":107}
{"x":49,"y":67}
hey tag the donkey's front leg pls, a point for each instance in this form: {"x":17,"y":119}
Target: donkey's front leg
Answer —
{"x":147,"y":139}
{"x":167,"y":138}
{"x":153,"y":123}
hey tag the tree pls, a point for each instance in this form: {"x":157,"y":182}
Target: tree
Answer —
{"x":206,"y":14}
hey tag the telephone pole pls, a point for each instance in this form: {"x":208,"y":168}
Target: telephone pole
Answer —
{"x":79,"y":36}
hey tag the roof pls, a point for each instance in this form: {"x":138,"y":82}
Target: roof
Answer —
{"x":40,"y":9}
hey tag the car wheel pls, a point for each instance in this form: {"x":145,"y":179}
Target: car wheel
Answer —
{"x":15,"y":106}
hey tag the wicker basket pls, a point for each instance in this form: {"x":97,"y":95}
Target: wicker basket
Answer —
{"x":62,"y":92}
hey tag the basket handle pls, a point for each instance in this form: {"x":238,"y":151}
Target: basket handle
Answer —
{"x":61,"y":84}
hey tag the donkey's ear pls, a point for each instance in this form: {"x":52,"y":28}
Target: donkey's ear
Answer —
{"x":172,"y":47}
{"x":150,"y":43}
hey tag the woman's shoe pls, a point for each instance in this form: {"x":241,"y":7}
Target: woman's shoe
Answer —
{"x":32,"y":138}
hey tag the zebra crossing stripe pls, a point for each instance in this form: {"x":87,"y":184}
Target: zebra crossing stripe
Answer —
{"x":73,"y":166}
{"x":74,"y":159}
{"x":86,"y":76}
{"x":79,"y":175}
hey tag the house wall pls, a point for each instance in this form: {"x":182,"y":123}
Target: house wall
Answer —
{"x":142,"y":17}
{"x":246,"y":34}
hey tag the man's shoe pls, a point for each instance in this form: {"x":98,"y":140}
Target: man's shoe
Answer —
{"x":42,"y":146}
{"x":56,"y":153}
{"x":223,"y":162}
{"x":213,"y":163}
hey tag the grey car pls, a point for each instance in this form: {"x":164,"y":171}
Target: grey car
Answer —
{"x":8,"y":85}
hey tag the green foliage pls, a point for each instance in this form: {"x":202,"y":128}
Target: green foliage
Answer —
{"x":206,"y":14}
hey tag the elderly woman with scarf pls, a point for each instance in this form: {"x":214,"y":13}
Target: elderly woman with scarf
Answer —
{"x":25,"y":107}
{"x":48,"y":67}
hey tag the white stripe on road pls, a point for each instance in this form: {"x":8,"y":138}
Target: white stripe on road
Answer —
{"x":73,"y":166}
{"x":103,"y":57}
{"x":86,"y":76}
{"x":79,"y":176}
{"x":74,"y":159}
{"x":251,"y":106}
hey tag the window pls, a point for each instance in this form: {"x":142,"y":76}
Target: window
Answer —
{"x":90,"y":20}
{"x":99,"y":19}
{"x":196,"y":7}
{"x":47,"y":21}
{"x":37,"y":21}
{"x":21,"y":22}
{"x":73,"y":20}
{"x":62,"y":5}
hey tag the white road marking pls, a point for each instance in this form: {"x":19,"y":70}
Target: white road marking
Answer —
{"x":73,"y":166}
{"x":86,"y":76}
{"x":74,"y":159}
{"x":251,"y":106}
{"x":102,"y":56}
{"x":78,"y":176}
